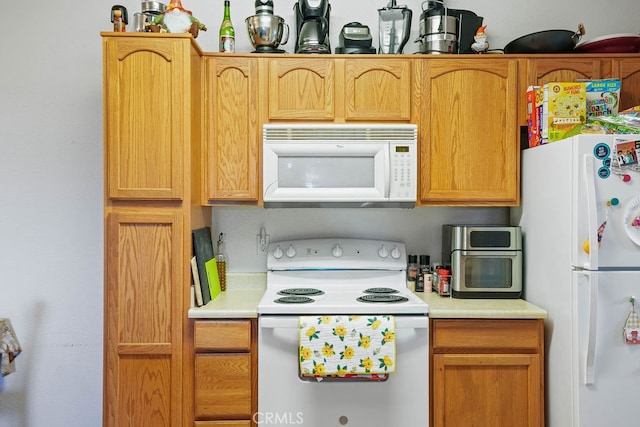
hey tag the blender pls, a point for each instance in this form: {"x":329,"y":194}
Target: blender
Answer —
{"x":394,"y":24}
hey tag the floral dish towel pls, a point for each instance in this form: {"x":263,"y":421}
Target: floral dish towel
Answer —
{"x":344,"y":345}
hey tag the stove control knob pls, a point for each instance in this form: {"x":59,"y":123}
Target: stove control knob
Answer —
{"x":383,"y":252}
{"x":277,"y":252}
{"x":395,"y":253}
{"x":337,"y":251}
{"x":291,"y":252}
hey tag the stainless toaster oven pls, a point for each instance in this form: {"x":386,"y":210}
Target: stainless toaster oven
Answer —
{"x":485,"y":260}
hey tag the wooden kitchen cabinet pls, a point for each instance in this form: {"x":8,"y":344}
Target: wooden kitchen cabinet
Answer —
{"x":233,"y":134}
{"x":627,"y":69}
{"x":337,"y":89}
{"x":487,"y":373}
{"x":468,"y":134}
{"x":301,"y":88}
{"x":146,"y":123}
{"x":225,"y":372}
{"x":151,"y":126}
{"x":378,"y":89}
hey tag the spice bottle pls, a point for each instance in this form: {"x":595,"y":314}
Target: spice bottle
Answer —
{"x":221,"y":262}
{"x":412,"y":272}
{"x":423,"y":270}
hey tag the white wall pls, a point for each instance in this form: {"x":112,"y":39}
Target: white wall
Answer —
{"x":51,"y":275}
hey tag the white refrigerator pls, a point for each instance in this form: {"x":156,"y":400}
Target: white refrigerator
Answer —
{"x":580,"y":218}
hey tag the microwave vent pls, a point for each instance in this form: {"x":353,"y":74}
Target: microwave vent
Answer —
{"x":340,"y":133}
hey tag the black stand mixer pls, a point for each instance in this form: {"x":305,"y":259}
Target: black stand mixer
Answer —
{"x":312,"y":19}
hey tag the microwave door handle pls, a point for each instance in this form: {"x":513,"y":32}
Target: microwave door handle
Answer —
{"x":387,"y":172}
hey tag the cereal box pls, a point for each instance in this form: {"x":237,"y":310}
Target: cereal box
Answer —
{"x":564,"y":110}
{"x":534,"y":114}
{"x":603,"y":97}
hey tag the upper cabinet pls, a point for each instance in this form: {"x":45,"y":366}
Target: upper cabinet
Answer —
{"x":232,"y":136}
{"x":301,"y":89}
{"x":336,"y":89}
{"x":627,"y":69}
{"x":146,"y":122}
{"x":469,"y":149}
{"x":377,"y":89}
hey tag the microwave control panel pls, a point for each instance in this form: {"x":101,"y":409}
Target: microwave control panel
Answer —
{"x":404,"y":175}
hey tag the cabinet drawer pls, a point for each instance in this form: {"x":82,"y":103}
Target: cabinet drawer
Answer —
{"x":222,"y":335}
{"x":487,"y":334}
{"x":223,"y":386}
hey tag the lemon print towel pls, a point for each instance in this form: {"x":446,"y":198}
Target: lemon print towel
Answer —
{"x":347,"y":345}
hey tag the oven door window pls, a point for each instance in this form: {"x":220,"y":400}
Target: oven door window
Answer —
{"x":488,"y":272}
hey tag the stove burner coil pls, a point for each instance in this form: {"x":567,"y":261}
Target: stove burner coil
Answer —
{"x":301,"y":291}
{"x":381,"y":291}
{"x":293,"y":299}
{"x":382,"y":298}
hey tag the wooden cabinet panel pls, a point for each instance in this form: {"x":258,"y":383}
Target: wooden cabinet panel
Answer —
{"x":223,"y":386}
{"x":487,"y":373}
{"x":469,"y":152}
{"x":143,"y":313}
{"x":628,"y":71}
{"x":220,"y":335}
{"x":378,"y":89}
{"x":232,"y":146}
{"x":301,"y":89}
{"x":486,"y":334}
{"x":497,"y":390}
{"x":146,"y":122}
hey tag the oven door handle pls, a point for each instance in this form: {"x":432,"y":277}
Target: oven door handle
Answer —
{"x":403,"y":321}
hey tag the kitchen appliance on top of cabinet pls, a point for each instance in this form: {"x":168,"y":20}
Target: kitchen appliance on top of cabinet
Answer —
{"x":580,"y":221}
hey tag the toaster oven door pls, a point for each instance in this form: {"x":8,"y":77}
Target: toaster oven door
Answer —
{"x":486,"y":274}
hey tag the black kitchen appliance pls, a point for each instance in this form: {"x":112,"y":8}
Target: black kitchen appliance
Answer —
{"x":312,"y":24}
{"x":355,"y":38}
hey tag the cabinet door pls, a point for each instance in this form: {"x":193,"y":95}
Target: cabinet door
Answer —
{"x":487,"y":390}
{"x":146,"y":117}
{"x":223,"y":386}
{"x":628,"y":71}
{"x":539,"y":71}
{"x":301,"y":89}
{"x":143,"y":315}
{"x":232,"y":144}
{"x":469,"y":150}
{"x":378,"y":89}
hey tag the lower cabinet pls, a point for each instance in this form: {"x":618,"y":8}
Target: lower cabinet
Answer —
{"x":487,"y":373}
{"x":225,"y":373}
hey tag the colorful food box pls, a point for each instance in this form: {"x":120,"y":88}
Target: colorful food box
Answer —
{"x":603,"y":97}
{"x":564,"y":110}
{"x":534,"y":114}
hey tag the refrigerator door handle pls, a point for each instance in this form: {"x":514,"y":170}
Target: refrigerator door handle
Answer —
{"x":589,"y":373}
{"x":592,"y":213}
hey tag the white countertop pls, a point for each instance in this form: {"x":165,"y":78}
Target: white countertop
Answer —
{"x":244,"y":292}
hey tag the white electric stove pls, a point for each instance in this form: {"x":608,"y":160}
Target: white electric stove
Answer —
{"x":340,"y":277}
{"x":334,"y":276}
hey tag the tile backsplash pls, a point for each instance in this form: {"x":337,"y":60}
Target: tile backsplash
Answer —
{"x":419,"y":228}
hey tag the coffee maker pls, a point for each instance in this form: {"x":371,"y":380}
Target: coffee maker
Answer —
{"x":312,"y":19}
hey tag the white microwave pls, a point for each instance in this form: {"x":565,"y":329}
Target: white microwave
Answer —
{"x":339,"y":165}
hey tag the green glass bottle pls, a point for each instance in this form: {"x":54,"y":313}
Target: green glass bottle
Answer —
{"x":227,"y":33}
